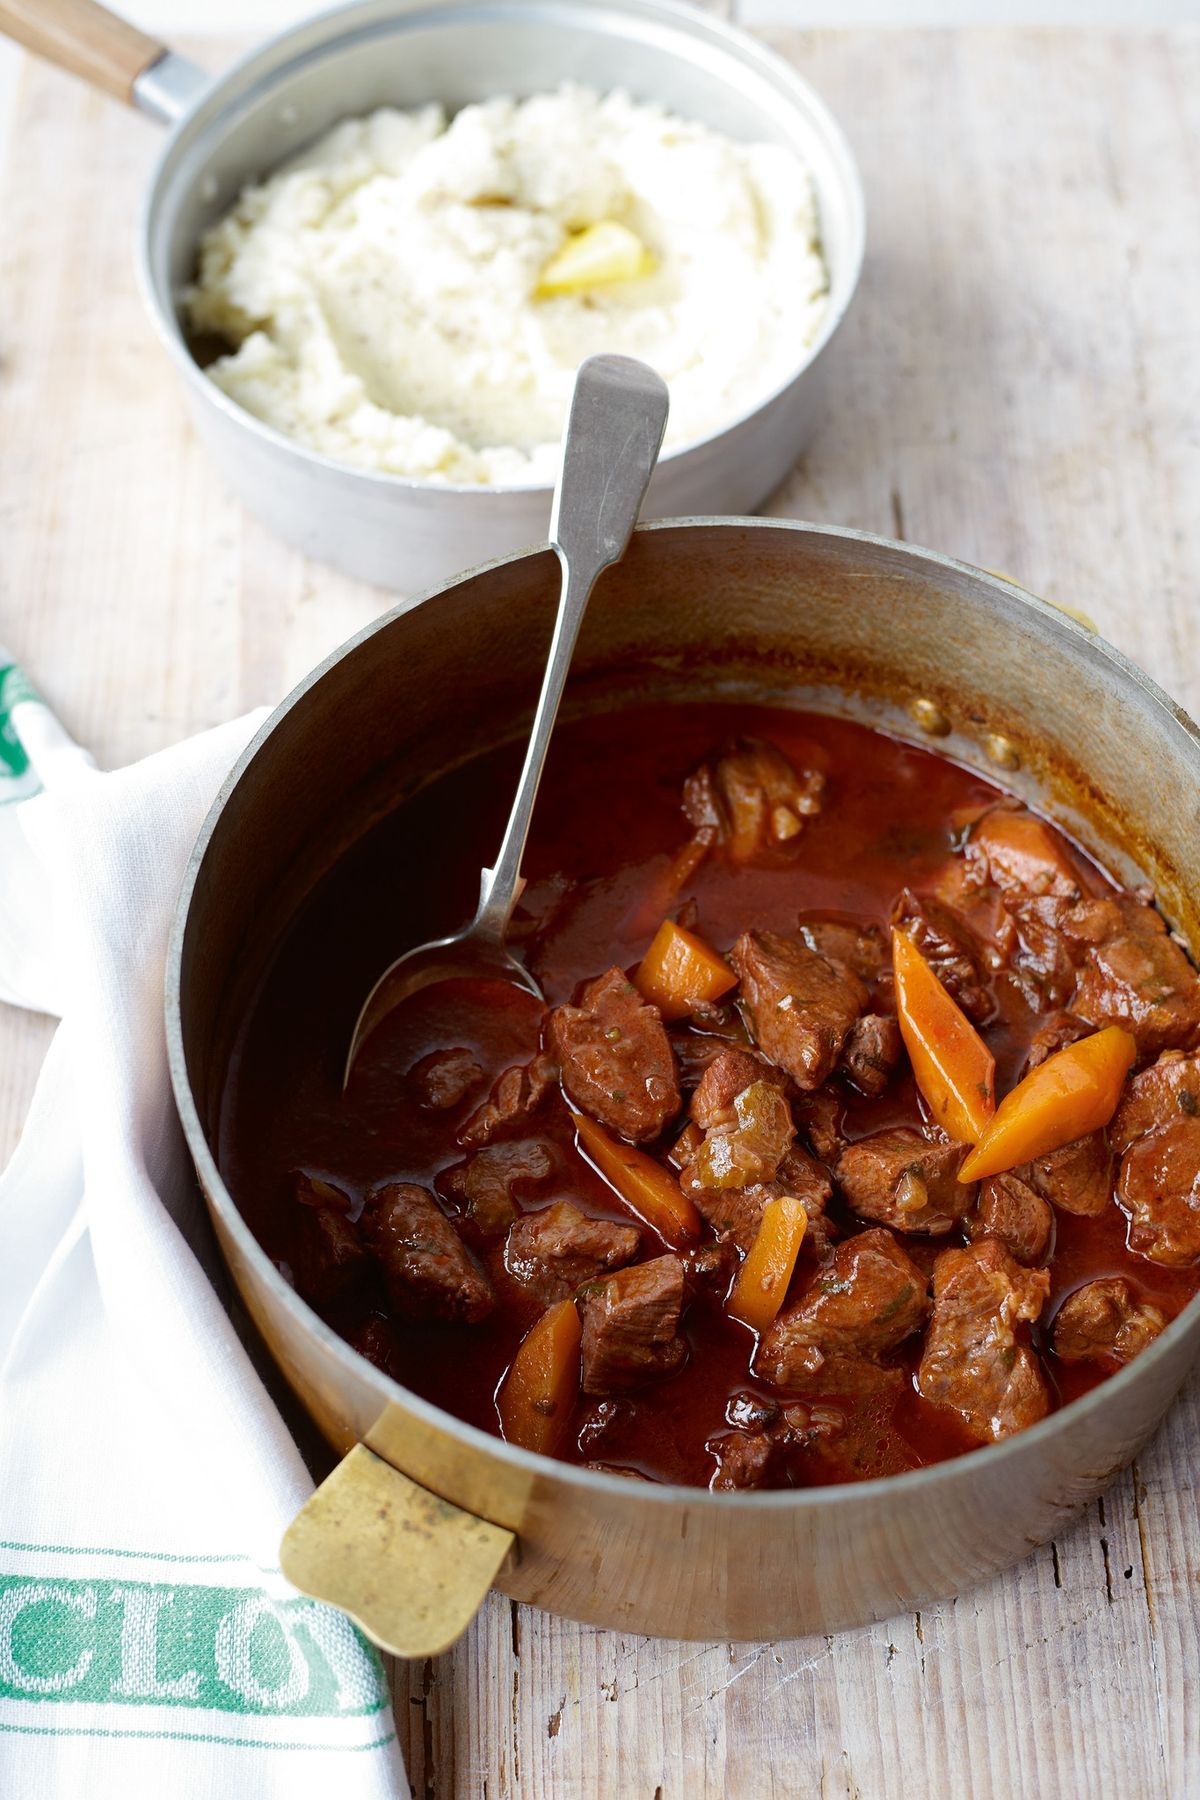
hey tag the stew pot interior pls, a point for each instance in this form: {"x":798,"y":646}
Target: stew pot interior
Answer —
{"x":794,"y":615}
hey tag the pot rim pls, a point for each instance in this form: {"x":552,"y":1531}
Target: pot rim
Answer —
{"x":804,"y":101}
{"x":591,"y":1481}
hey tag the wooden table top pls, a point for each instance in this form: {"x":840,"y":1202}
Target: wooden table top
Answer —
{"x":1018,"y":385}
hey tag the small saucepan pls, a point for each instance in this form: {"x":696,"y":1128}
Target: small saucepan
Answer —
{"x":234,"y":129}
{"x":426,"y":1511}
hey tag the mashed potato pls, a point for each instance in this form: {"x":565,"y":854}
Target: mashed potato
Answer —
{"x":380,"y":292}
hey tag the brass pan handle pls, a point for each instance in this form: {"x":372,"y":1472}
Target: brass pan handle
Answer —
{"x":85,"y":39}
{"x":409,"y":1568}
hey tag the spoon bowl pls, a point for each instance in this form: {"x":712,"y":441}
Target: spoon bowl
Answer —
{"x":463,"y":956}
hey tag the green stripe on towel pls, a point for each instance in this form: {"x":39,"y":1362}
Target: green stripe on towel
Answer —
{"x":227,"y":1649}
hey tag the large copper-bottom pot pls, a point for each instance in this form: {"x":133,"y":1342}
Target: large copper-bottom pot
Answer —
{"x":794,"y":615}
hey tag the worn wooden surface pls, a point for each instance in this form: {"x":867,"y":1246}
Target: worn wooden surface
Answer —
{"x":1019,"y":385}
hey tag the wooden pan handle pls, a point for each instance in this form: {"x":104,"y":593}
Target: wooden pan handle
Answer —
{"x":84,"y":39}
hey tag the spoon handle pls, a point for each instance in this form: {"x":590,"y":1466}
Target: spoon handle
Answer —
{"x":614,"y":430}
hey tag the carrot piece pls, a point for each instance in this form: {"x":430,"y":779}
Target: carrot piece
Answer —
{"x":537,"y":1394}
{"x":680,"y":972}
{"x":762,"y":1280}
{"x":1073,"y":1092}
{"x":954,"y":1069}
{"x":648,"y":1190}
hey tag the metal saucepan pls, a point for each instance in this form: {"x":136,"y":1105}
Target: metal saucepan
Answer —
{"x":425,"y":1512}
{"x":235,"y":128}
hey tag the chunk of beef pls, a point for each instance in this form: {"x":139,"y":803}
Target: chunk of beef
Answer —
{"x":487,"y":1183}
{"x":551,"y":1252}
{"x":901,"y":1178}
{"x":811,"y":1421}
{"x":1168,"y":1088}
{"x":1104,"y":1321}
{"x":737,"y":1212}
{"x":745,"y":1459}
{"x":845,"y":1374}
{"x":976,"y":1361}
{"x":950,"y":948}
{"x":513,"y":1101}
{"x":751,"y":1412}
{"x":1042,"y":962}
{"x":1013,"y":884}
{"x":444,"y":1078}
{"x":631,"y":1326}
{"x":749,"y":1148}
{"x":872,"y":1051}
{"x":1077,"y":1178}
{"x":866,"y":1299}
{"x":820,"y":1118}
{"x":429,"y":1272}
{"x":755,"y":1455}
{"x":1133,"y":973}
{"x":728,"y":1075}
{"x":1053,"y":1035}
{"x":720,"y":1020}
{"x":1159,"y":1189}
{"x":801,"y":1007}
{"x":862,"y":948}
{"x":982,"y":910}
{"x":329,"y":1264}
{"x":602,"y":1421}
{"x":376,"y":1339}
{"x":752,"y":801}
{"x":1010,"y":1210}
{"x":695,"y":1052}
{"x":807,"y":1179}
{"x":1010,"y":848}
{"x":617,"y":1062}
{"x":710,"y":1269}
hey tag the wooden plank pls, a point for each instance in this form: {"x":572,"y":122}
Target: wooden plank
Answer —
{"x":1018,"y":384}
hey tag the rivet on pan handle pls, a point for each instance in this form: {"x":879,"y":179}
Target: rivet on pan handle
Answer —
{"x":409,"y":1568}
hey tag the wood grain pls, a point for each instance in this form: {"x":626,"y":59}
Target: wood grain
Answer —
{"x":84,"y":39}
{"x":1019,"y":384}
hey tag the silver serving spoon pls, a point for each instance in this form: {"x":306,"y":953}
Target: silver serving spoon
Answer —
{"x":614,"y":430}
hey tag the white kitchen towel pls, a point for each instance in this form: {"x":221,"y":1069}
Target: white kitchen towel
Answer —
{"x":149,"y":1647}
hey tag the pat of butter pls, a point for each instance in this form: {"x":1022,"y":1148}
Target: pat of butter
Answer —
{"x":601,"y":254}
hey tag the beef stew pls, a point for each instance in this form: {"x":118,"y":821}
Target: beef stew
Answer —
{"x":626,"y":1159}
